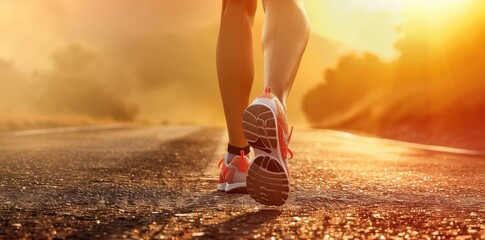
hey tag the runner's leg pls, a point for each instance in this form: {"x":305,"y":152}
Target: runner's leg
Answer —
{"x":235,"y":63}
{"x":285,"y":36}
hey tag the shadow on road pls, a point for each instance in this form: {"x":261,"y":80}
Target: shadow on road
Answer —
{"x":118,"y":226}
{"x":242,"y":225}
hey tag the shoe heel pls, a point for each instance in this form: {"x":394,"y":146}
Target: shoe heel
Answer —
{"x":267,"y":182}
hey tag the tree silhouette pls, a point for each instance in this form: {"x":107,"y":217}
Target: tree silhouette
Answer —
{"x":436,"y":88}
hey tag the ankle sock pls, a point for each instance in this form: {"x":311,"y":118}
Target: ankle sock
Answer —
{"x":233,"y":151}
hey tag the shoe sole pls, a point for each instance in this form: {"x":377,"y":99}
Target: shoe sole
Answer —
{"x":242,"y":190}
{"x":267,"y":181}
{"x":233,"y":188}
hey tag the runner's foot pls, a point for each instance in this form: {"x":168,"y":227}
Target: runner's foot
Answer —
{"x":232,"y":178}
{"x":265,"y":127}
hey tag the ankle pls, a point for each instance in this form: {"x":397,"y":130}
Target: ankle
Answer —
{"x":233,"y":152}
{"x":279,"y":94}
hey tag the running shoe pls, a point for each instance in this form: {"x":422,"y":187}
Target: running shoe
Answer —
{"x":232,"y":178}
{"x":265,"y":127}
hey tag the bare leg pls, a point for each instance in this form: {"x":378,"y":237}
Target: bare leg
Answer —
{"x":235,"y":67}
{"x":285,"y":36}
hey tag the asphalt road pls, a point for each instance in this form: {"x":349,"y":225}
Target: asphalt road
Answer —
{"x":160,"y":182}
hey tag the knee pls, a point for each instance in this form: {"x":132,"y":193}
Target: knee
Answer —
{"x":241,"y":7}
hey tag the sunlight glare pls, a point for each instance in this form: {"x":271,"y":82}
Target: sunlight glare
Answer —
{"x":441,"y":18}
{"x":442,"y":9}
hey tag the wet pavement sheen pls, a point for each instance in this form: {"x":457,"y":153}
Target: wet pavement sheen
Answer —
{"x":160,"y":183}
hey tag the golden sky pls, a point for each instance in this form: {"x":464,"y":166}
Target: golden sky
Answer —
{"x":31,"y":30}
{"x":133,"y":39}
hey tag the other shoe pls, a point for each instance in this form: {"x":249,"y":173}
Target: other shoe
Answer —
{"x":232,"y":178}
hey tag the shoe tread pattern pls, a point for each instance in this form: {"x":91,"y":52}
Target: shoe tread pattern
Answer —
{"x":267,"y":182}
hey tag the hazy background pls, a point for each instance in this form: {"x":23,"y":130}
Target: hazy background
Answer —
{"x":406,"y":69}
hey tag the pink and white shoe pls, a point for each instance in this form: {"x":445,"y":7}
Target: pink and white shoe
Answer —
{"x":265,"y":127}
{"x":232,"y":178}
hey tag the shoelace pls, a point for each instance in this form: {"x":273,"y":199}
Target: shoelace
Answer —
{"x":289,"y":138}
{"x":243,"y":167}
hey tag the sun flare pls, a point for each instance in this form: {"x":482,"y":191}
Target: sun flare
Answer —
{"x":441,"y":19}
{"x":442,"y":10}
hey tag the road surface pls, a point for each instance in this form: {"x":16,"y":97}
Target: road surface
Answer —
{"x":160,"y":183}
